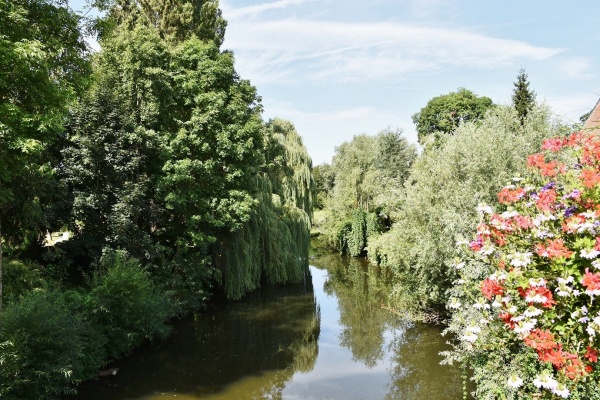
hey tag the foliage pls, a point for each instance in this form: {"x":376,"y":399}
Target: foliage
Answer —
{"x":537,"y":296}
{"x":443,"y":114}
{"x":20,"y":277}
{"x":43,"y":66}
{"x":523,"y":99}
{"x":273,"y":245}
{"x":440,"y":196}
{"x":124,"y":305}
{"x":366,"y":174}
{"x":324,"y":183}
{"x":44,"y":347}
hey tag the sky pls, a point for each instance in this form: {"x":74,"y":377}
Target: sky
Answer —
{"x":339,"y":68}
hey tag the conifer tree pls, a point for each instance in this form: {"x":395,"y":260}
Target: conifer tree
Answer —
{"x":523,"y":98}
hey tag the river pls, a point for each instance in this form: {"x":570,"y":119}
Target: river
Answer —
{"x":326,"y":338}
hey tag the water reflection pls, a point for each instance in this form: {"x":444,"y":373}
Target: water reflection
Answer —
{"x":333,"y":341}
{"x":241,"y":350}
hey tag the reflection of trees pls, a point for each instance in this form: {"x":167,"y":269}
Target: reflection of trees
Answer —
{"x":416,"y":373}
{"x":361,"y":290}
{"x":248,"y":349}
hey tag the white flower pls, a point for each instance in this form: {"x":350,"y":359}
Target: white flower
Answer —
{"x":539,"y":282}
{"x":546,"y":381}
{"x":473,"y":329}
{"x":562,"y":391}
{"x":496,"y":304}
{"x":589,"y":253}
{"x":509,"y":214}
{"x":525,"y":327}
{"x":470,"y":337}
{"x":487,"y":249}
{"x":596,"y":264}
{"x":569,"y":279}
{"x":520,"y":259}
{"x":454,"y":304}
{"x":590,"y":331}
{"x":481,"y":304}
{"x":532,"y":312}
{"x":460,"y":265}
{"x":514,"y":381}
{"x":484,"y":209}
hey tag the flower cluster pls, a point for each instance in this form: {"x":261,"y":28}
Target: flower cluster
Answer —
{"x":544,"y":250}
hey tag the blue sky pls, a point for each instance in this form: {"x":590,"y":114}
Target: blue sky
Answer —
{"x":338,"y":68}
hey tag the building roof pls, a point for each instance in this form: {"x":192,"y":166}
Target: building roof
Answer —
{"x":592,"y":124}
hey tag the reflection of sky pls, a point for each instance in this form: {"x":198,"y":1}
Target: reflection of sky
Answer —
{"x":335,"y":369}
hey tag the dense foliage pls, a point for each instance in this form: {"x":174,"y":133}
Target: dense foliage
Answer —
{"x":153,"y":156}
{"x":441,"y":194}
{"x":361,"y":188}
{"x":532,"y":284}
{"x":443,"y":114}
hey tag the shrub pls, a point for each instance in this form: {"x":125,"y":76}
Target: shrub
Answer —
{"x":124,"y":305}
{"x":525,"y":314}
{"x":42,"y":345}
{"x":440,"y":198}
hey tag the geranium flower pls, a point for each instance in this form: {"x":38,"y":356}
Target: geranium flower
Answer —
{"x":491,"y":288}
{"x":591,"y":282}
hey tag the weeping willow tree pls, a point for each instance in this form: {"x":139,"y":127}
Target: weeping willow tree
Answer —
{"x":272,"y":247}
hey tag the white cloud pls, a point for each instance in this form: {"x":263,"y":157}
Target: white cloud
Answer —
{"x":235,"y":13}
{"x":324,"y":51}
{"x":576,"y":68}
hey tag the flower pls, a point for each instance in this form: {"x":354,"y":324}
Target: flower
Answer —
{"x":491,"y":288}
{"x":514,"y":381}
{"x":561,"y":390}
{"x":544,"y":380}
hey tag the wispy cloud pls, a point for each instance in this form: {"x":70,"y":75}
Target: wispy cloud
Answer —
{"x":324,"y":51}
{"x":235,"y":13}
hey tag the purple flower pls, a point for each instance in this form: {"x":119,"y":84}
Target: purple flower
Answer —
{"x":548,"y":186}
{"x":570,"y":211}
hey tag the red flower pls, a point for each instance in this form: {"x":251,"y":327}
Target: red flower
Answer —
{"x":546,"y":200}
{"x":540,"y":295}
{"x":507,"y":318}
{"x":591,"y":354}
{"x":590,"y":280}
{"x":554,"y":144}
{"x":491,"y":288}
{"x":507,"y":196}
{"x":589,"y":177}
{"x":554,"y":248}
{"x":535,"y":160}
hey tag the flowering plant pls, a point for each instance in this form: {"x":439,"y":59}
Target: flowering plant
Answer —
{"x":544,"y":255}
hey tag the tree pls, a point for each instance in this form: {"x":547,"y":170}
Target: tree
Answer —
{"x":443,"y":114}
{"x":42,"y":67}
{"x":441,"y":196}
{"x":523,"y":98}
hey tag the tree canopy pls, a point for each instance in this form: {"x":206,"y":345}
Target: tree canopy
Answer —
{"x":443,"y":114}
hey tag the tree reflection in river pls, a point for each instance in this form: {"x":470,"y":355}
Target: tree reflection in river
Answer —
{"x":240,"y":350}
{"x":361,"y":291}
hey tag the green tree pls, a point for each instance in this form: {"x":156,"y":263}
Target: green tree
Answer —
{"x":523,"y":99}
{"x":368,"y":172}
{"x":42,"y":67}
{"x":443,"y":114}
{"x":441,"y":196}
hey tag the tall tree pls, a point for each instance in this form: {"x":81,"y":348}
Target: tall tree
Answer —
{"x":42,"y":67}
{"x":523,"y":98}
{"x":443,"y":114}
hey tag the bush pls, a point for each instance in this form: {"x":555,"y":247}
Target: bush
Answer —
{"x":440,"y":199}
{"x":124,"y":305}
{"x":42,"y":347}
{"x":525,"y":311}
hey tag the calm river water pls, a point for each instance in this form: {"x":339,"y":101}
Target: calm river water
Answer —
{"x":327,"y":338}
